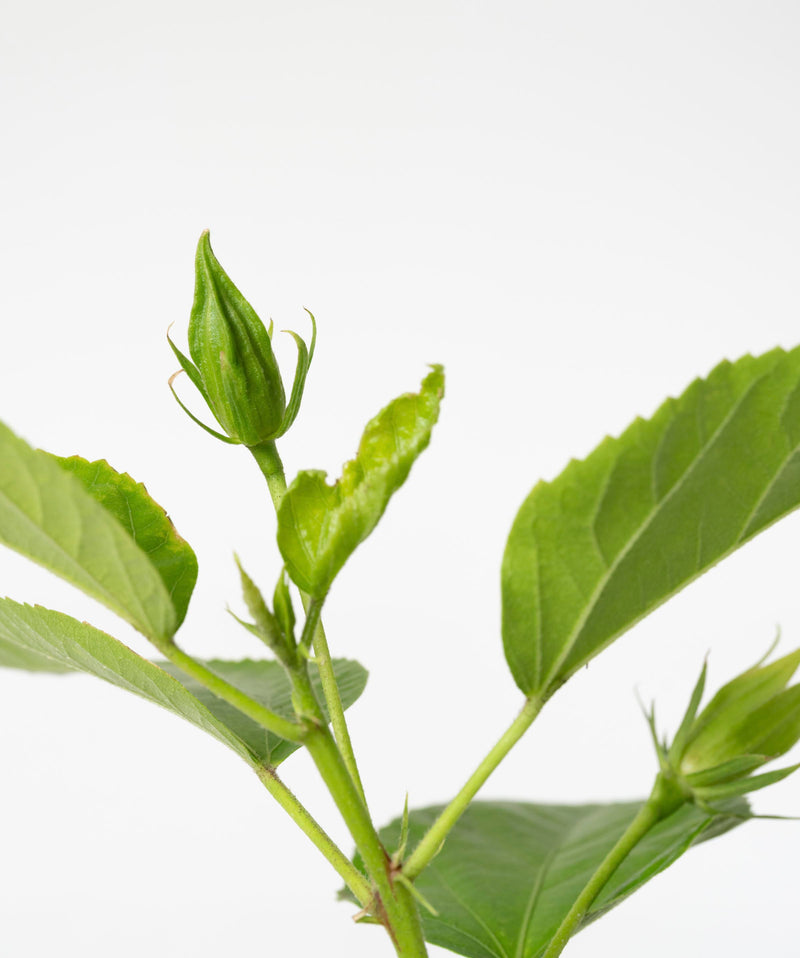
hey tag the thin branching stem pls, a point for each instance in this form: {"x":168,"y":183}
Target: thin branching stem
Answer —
{"x":269,"y":720}
{"x":433,"y":839}
{"x":351,"y":876}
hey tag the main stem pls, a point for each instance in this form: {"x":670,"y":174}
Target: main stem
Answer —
{"x":393,"y":905}
{"x":663,"y":801}
{"x":269,"y":462}
{"x":434,"y":838}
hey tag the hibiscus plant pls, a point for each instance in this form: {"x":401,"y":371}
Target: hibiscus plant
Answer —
{"x":589,"y":554}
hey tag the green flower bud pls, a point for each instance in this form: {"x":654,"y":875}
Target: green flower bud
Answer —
{"x":752,"y":720}
{"x":232,"y":363}
{"x":754,"y":714}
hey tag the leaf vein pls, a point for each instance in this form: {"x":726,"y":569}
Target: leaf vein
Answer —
{"x":605,"y":579}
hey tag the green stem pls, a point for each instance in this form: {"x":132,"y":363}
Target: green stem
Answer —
{"x":434,"y":838}
{"x":663,"y":801}
{"x":313,"y":610}
{"x":352,"y":877}
{"x":394,"y":905}
{"x":333,"y":700}
{"x":233,"y":696}
{"x":269,"y":462}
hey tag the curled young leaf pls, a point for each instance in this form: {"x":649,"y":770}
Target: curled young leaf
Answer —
{"x":319,"y":525}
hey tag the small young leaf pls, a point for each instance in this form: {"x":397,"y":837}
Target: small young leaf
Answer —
{"x":319,"y":525}
{"x":47,"y":515}
{"x":145,"y":521}
{"x":615,"y":535}
{"x":509,"y":871}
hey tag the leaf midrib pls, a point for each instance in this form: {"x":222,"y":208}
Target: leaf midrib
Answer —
{"x":612,"y":568}
{"x":533,"y":901}
{"x":501,"y":952}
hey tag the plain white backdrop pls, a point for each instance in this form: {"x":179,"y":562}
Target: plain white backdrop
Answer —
{"x":577,"y":207}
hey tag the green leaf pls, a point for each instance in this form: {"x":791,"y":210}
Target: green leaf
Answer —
{"x":13,"y":656}
{"x":267,"y":683}
{"x":319,"y":525}
{"x":39,"y":639}
{"x":145,"y":521}
{"x":32,"y":637}
{"x":509,"y":871}
{"x":47,"y":515}
{"x":615,"y":535}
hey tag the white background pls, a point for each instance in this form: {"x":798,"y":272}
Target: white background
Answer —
{"x":577,"y":207}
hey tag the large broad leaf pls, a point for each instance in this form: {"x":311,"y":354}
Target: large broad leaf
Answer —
{"x":42,"y":640}
{"x":47,"y":515}
{"x":510,"y":871}
{"x":319,"y":525}
{"x":266,"y":682}
{"x":616,"y":534}
{"x":146,"y":523}
{"x":31,"y":637}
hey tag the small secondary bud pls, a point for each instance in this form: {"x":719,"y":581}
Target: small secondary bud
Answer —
{"x":751,"y":720}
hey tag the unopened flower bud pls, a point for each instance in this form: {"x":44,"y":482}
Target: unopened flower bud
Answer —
{"x":752,"y":720}
{"x":232,"y":363}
